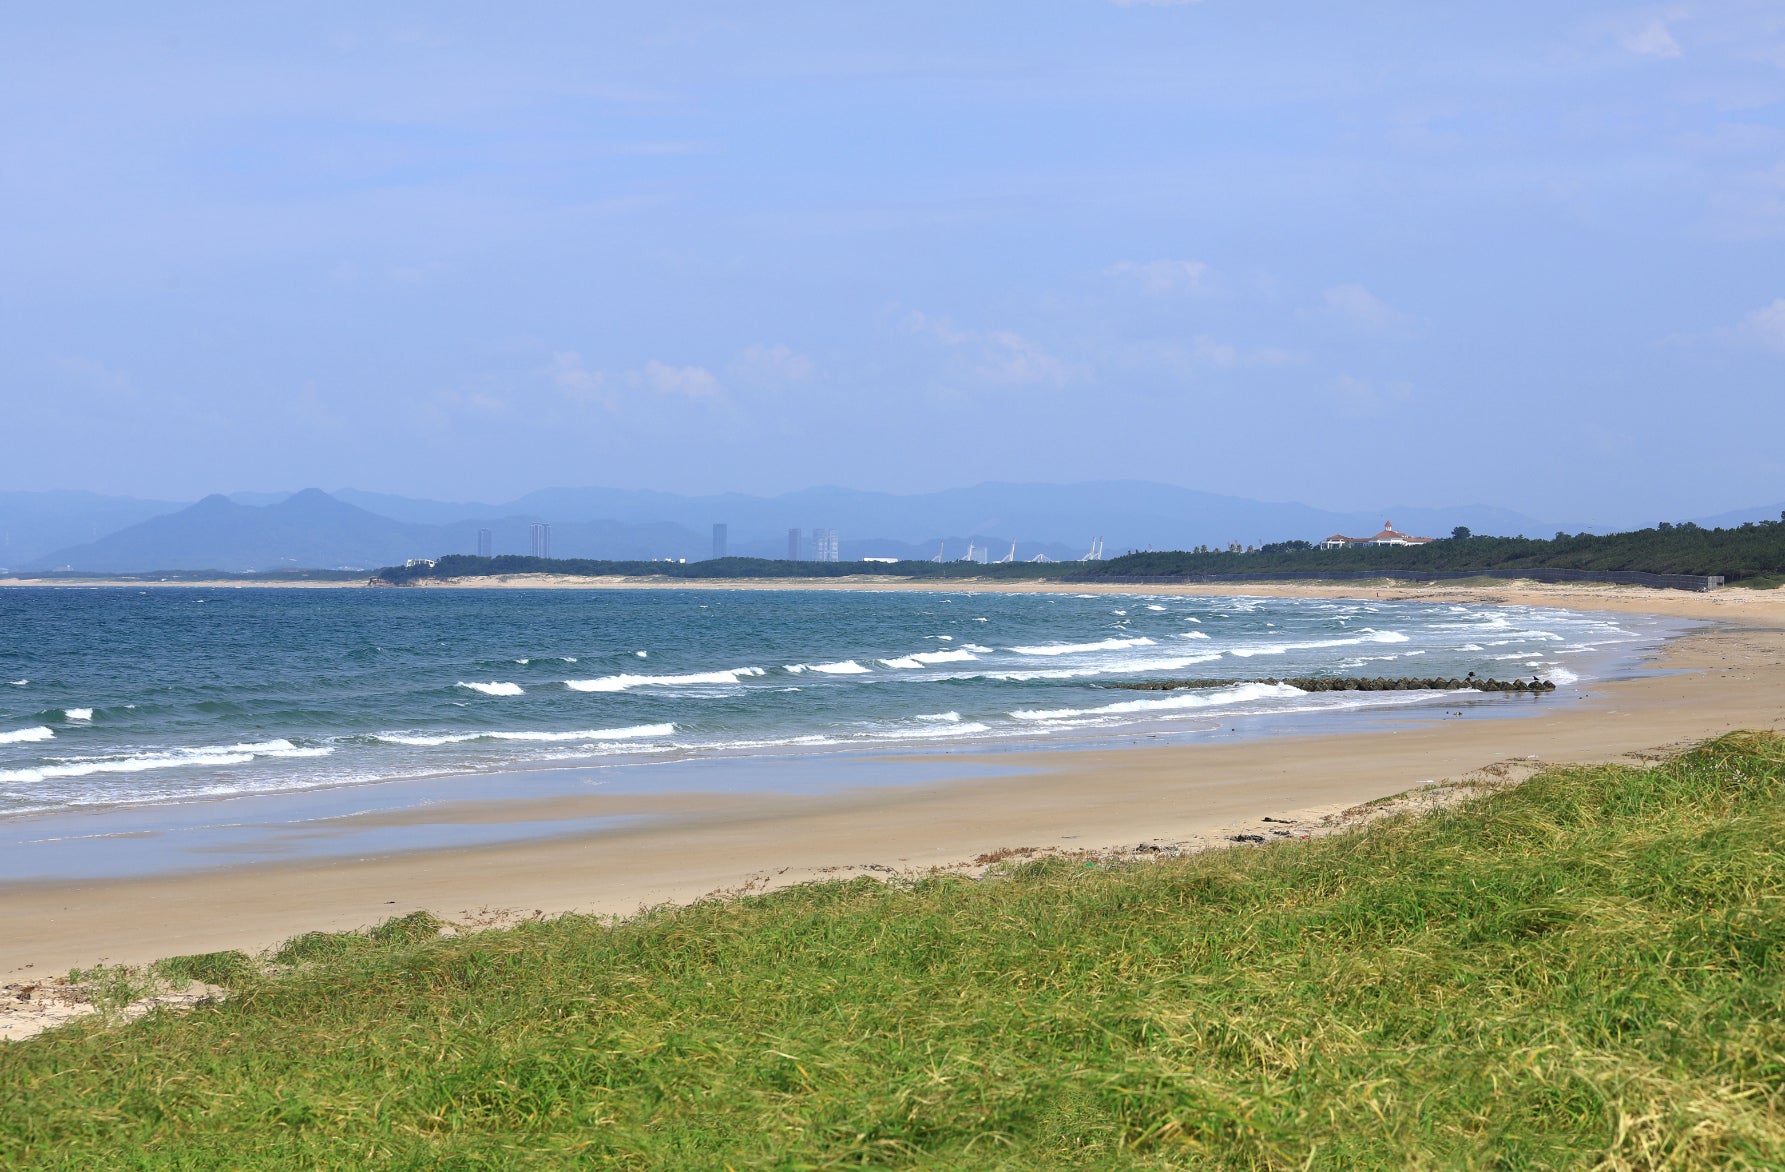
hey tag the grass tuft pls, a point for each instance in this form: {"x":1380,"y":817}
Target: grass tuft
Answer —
{"x":228,"y":969}
{"x":1587,"y":970}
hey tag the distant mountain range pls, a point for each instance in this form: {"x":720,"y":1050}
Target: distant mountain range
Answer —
{"x":363,"y":530}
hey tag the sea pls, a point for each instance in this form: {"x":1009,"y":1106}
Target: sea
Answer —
{"x":126,"y":697}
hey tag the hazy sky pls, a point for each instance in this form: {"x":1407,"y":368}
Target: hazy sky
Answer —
{"x":1526,"y":254}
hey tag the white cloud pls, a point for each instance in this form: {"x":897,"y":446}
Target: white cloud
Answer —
{"x":1767,"y":325}
{"x":579,"y":383}
{"x":1015,"y":359}
{"x":776,"y":365}
{"x":1651,"y":39}
{"x":693,"y":382}
{"x":1000,"y":357}
{"x":1356,"y":308}
{"x":1159,"y":277}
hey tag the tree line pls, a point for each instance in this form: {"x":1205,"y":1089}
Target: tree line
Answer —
{"x":1747,"y":551}
{"x":1752,"y":550}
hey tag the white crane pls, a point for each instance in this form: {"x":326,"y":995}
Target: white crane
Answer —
{"x":1096,"y":554}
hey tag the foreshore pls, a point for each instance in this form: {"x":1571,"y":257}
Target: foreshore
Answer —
{"x":1725,"y":676}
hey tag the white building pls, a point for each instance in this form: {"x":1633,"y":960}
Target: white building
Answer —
{"x":1389,"y":536}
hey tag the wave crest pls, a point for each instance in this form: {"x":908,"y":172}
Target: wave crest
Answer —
{"x":425,"y":740}
{"x":622,"y":682}
{"x":495,"y":688}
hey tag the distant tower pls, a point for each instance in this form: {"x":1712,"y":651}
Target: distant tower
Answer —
{"x":539,"y":539}
{"x":793,"y":545}
{"x":825,"y":545}
{"x":486,"y":543}
{"x":719,"y":541}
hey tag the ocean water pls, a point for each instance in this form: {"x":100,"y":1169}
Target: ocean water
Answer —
{"x":120,"y":695}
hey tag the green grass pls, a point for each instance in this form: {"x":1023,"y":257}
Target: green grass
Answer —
{"x":1584,"y":971}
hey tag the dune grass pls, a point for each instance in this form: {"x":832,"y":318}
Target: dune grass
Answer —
{"x":1584,"y":971}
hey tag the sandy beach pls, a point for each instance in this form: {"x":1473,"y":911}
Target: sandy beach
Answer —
{"x":1726,"y":676}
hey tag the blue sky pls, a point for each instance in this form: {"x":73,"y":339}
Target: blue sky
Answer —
{"x":1527,"y":254}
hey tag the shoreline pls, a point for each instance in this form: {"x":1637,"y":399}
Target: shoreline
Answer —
{"x":1714,"y":680}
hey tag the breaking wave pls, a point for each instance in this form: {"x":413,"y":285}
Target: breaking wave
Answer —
{"x":1189,"y":699}
{"x":1280,"y":648}
{"x":847,"y":667}
{"x":1080,"y":648}
{"x":425,"y":740}
{"x":495,"y":688}
{"x":925,"y":658}
{"x":203,"y":755}
{"x":621,"y":683}
{"x":20,"y":736}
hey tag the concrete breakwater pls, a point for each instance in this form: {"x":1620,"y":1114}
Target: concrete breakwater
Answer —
{"x":1337,"y":684}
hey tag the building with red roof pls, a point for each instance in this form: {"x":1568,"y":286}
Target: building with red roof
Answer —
{"x":1389,"y":536}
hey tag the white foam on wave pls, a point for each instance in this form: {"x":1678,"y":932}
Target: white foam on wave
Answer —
{"x":1239,"y":694}
{"x":203,"y":755}
{"x":1316,"y":644}
{"x":1154,"y":606}
{"x":18,"y":683}
{"x":81,"y":714}
{"x":495,"y":688}
{"x":952,"y":729}
{"x":939,"y":717}
{"x":1194,"y":635}
{"x":1557,"y":674}
{"x":546,"y":659}
{"x":621,"y":683}
{"x":1119,"y":667}
{"x":422,"y":740}
{"x":846,"y":667}
{"x":923,"y":658}
{"x":1081,"y":648}
{"x":25,"y":735}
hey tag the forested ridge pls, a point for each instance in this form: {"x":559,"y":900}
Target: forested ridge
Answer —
{"x":1744,"y":552}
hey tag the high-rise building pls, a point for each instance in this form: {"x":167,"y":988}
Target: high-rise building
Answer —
{"x":539,"y":539}
{"x":793,"y":545}
{"x":825,"y":547}
{"x":719,"y":541}
{"x":486,"y":543}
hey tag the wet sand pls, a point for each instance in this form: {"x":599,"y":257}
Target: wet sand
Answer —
{"x":682,"y":847}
